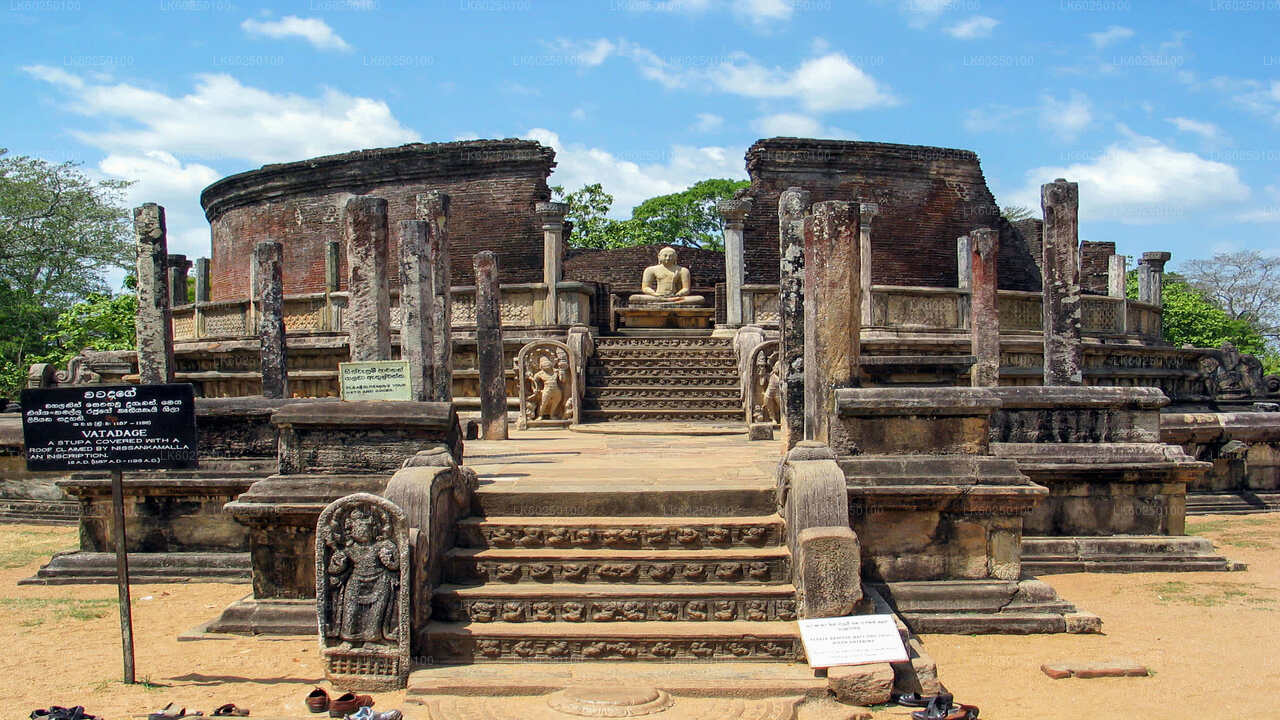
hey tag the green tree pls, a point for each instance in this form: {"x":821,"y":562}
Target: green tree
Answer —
{"x":60,"y":233}
{"x":588,"y":211}
{"x":1192,"y":318}
{"x":686,"y":218}
{"x":1014,"y":213}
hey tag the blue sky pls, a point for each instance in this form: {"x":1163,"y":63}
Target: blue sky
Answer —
{"x":1167,"y":113}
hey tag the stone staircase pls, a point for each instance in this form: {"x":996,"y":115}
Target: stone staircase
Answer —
{"x":700,"y":586}
{"x":679,"y":378}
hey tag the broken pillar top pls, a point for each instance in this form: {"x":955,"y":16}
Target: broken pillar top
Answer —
{"x":1156,"y":259}
{"x":433,"y":204}
{"x":734,"y":210}
{"x":552,"y":213}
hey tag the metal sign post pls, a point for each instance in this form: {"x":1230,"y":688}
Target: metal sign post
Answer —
{"x":113,"y":428}
{"x":122,"y":573}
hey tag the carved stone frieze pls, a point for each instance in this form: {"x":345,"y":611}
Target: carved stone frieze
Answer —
{"x":648,"y":572}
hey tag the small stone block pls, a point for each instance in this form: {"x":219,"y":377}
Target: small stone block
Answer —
{"x":1083,"y":623}
{"x":760,"y":431}
{"x":861,"y":684}
{"x":473,"y":430}
{"x":1114,"y":668}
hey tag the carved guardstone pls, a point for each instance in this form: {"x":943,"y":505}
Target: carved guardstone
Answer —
{"x":548,"y":378}
{"x":362,"y":593}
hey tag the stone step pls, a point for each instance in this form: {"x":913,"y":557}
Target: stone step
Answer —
{"x":454,"y":643}
{"x":95,"y":568}
{"x":673,"y":401}
{"x":564,"y":602}
{"x":40,"y":512}
{"x":1121,"y":564}
{"x":661,"y":380}
{"x":663,"y":342}
{"x":712,"y":416}
{"x":621,"y":532}
{"x":675,"y":497}
{"x":641,"y":359}
{"x":641,"y":392}
{"x":752,"y":566}
{"x":1232,"y":503}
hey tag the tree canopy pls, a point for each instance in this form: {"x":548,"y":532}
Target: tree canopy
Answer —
{"x":687,"y":218}
{"x":60,"y":233}
{"x":1245,"y":284}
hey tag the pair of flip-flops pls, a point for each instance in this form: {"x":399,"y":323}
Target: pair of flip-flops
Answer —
{"x":57,"y":712}
{"x":937,"y":707}
{"x":169,"y":712}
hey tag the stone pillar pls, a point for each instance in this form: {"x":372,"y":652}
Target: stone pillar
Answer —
{"x":793,"y":205}
{"x":489,"y":360}
{"x":368,"y":317}
{"x":1063,"y":356}
{"x":204,"y":277}
{"x":984,"y":308}
{"x":867,"y":212}
{"x":552,"y":214}
{"x":179,"y":268}
{"x":734,"y":212}
{"x":154,"y":321}
{"x":1117,"y":276}
{"x":433,"y":207}
{"x":964,"y":262}
{"x":417,"y":300}
{"x":268,"y":262}
{"x":1151,"y":277}
{"x":332,"y":266}
{"x":832,"y":311}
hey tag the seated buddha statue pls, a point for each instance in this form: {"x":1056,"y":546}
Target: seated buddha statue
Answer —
{"x":666,"y":284}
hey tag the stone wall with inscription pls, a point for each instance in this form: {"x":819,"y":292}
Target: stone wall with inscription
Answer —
{"x":493,"y":185}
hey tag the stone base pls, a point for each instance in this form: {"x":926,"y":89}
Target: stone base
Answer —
{"x":248,"y":616}
{"x":964,"y":607}
{"x":1125,"y":553}
{"x":760,"y":431}
{"x":366,"y":670}
{"x":667,"y":317}
{"x":39,"y":512}
{"x":91,"y":568}
{"x":1243,"y":502}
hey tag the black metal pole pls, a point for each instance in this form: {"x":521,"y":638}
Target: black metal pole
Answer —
{"x":122,"y":573}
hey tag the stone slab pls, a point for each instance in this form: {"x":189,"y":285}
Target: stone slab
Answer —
{"x":1084,"y":670}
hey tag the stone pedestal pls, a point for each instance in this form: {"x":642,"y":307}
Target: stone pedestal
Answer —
{"x":670,"y":316}
{"x":1151,"y":277}
{"x":334,"y":436}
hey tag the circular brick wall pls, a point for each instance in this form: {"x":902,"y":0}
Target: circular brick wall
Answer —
{"x":492,"y":186}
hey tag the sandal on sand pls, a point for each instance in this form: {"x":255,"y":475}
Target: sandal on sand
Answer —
{"x":229,"y":710}
{"x":912,"y":699}
{"x":169,"y":713}
{"x":942,"y":707}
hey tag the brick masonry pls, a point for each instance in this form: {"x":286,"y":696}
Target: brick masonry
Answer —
{"x":1094,"y":258}
{"x":928,"y":197}
{"x":493,"y":184}
{"x":622,"y":268}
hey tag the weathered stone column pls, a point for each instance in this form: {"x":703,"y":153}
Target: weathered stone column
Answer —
{"x":368,"y":317}
{"x":179,"y":268}
{"x":832,"y":312}
{"x":552,"y":214}
{"x":1063,"y":356}
{"x":964,"y":262}
{"x":734,"y":212}
{"x":793,"y":205}
{"x":417,"y":301}
{"x":1151,"y":277}
{"x":268,"y":262}
{"x":433,"y":207}
{"x":1117,"y":275}
{"x":984,"y":308}
{"x":204,"y":277}
{"x":332,"y":266}
{"x":154,"y":321}
{"x":489,"y":360}
{"x":867,"y":212}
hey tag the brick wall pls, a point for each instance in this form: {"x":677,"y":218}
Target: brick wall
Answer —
{"x":1094,"y":259}
{"x":1031,"y":230}
{"x":492,"y":184}
{"x":928,"y":197}
{"x":622,"y":268}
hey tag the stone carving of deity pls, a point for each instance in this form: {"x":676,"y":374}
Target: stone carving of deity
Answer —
{"x":666,"y":283}
{"x":547,"y":399}
{"x":364,"y":572}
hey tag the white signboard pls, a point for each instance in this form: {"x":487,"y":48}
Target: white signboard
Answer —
{"x":375,"y":380}
{"x":852,"y":640}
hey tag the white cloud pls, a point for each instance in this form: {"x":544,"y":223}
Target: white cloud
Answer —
{"x":633,"y":179}
{"x":1140,"y":180}
{"x":994,"y":118}
{"x":595,"y":52}
{"x":1110,"y":36}
{"x":708,"y":122}
{"x":579,"y":113}
{"x":54,"y":76}
{"x":313,"y":30}
{"x":1268,"y":213}
{"x":789,"y":125}
{"x":1067,"y":118}
{"x":923,"y":12}
{"x":222,"y":118}
{"x":1208,"y":131}
{"x":761,"y":12}
{"x":160,"y":177}
{"x":756,"y":12}
{"x":978,"y":26}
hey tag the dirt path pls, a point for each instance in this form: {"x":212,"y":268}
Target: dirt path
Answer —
{"x":1211,"y":639}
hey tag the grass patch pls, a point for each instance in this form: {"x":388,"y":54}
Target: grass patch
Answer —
{"x":1202,"y":527}
{"x":1211,"y":594}
{"x":59,"y":608}
{"x":22,"y":545}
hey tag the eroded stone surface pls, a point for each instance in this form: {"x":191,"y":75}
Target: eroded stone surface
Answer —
{"x":1063,"y":356}
{"x":861,"y":684}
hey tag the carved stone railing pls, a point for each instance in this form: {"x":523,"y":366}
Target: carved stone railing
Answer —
{"x":522,"y":306}
{"x":930,"y":309}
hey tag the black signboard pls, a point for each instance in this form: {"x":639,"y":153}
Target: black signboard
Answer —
{"x":110,"y":427}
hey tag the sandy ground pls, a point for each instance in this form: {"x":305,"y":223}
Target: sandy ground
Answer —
{"x":1209,"y":638}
